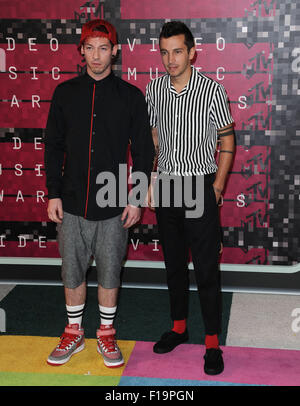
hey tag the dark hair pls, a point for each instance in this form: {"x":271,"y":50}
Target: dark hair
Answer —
{"x":177,"y":28}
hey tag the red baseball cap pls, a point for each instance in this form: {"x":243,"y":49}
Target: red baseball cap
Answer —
{"x":98,"y":28}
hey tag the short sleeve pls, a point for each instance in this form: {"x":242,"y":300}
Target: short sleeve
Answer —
{"x":220,"y":112}
{"x":151,"y":106}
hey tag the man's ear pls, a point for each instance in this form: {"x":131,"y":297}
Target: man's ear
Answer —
{"x":192,"y":53}
{"x":115,"y":50}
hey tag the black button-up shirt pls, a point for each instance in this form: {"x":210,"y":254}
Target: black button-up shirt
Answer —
{"x":90,"y":126}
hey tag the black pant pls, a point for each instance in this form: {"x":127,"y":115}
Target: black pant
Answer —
{"x":202,"y":236}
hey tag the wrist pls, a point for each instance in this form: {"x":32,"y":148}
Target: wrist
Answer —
{"x":133,"y":206}
{"x":218,"y":188}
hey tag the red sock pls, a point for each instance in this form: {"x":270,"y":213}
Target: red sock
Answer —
{"x":211,"y":341}
{"x":179,"y":326}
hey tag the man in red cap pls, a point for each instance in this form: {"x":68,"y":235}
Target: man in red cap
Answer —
{"x":92,"y":120}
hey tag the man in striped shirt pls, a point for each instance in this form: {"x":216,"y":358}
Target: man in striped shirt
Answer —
{"x":189,"y":113}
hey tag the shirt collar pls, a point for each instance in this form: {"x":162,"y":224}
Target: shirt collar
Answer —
{"x":188,"y":86}
{"x":107,"y":79}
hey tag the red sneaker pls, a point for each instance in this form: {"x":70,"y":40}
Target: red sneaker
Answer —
{"x":71,"y":342}
{"x":107,"y":346}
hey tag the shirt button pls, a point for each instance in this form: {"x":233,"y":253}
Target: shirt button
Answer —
{"x":92,"y":150}
{"x":94,"y":115}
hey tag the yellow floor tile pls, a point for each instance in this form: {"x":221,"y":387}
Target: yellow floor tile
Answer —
{"x":29,"y":354}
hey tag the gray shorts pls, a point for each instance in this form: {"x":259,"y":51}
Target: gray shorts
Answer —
{"x":80,"y":240}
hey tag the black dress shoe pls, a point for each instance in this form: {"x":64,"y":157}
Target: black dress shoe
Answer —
{"x":213,"y":364}
{"x":169,"y":341}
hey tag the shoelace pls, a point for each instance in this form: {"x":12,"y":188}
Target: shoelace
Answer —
{"x":108,"y":343}
{"x":66,"y":341}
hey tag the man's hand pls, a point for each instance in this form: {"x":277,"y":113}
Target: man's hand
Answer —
{"x":150,"y":202}
{"x":55,"y":210}
{"x":150,"y":194}
{"x":221,"y":248}
{"x":218,"y":193}
{"x":131,"y":214}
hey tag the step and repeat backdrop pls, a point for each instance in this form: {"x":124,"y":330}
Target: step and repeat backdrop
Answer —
{"x":248,"y":46}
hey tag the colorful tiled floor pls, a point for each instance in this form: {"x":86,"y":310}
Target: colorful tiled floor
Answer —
{"x":26,"y":365}
{"x":260,"y":347}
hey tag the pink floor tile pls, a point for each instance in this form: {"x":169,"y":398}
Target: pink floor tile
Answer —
{"x":256,"y":366}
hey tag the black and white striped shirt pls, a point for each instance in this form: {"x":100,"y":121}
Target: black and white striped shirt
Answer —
{"x":187,"y":123}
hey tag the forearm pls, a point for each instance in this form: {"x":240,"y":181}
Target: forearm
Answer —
{"x":224,"y":165}
{"x":226,"y":154}
{"x":156,"y":149}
